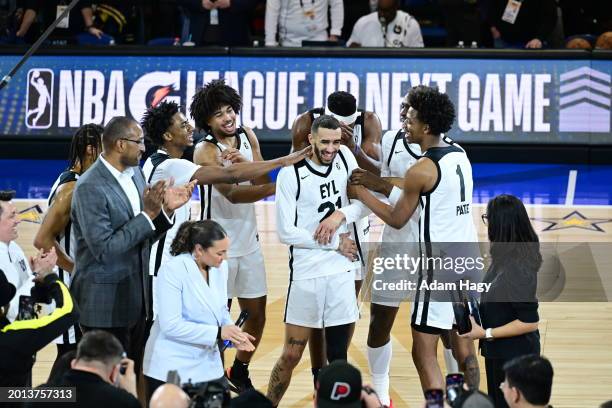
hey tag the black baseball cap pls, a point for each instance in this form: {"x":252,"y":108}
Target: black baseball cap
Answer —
{"x":7,"y":289}
{"x":339,"y":385}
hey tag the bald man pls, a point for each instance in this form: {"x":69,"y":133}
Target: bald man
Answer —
{"x":169,"y":396}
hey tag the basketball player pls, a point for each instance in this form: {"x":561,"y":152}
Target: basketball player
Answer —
{"x":361,"y":133}
{"x":56,"y":228}
{"x":214,"y":109}
{"x":168,"y":129}
{"x":440,"y":181}
{"x":321,"y":291}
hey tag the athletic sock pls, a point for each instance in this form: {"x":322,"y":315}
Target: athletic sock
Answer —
{"x":379,"y":362}
{"x":240,"y":369}
{"x":315,"y":376}
{"x":451,"y":363}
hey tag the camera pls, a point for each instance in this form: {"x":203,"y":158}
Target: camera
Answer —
{"x":209,"y":394}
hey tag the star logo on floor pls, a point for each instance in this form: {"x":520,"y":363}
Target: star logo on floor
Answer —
{"x":574,"y":220}
{"x":31,"y":214}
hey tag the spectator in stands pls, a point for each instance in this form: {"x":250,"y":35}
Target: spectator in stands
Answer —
{"x":527,"y":25}
{"x":20,"y":340}
{"x":169,"y":396}
{"x":387,"y":27}
{"x":586,"y":17}
{"x":219,"y":22}
{"x":578,"y":43}
{"x":509,"y":309}
{"x":528,"y":382}
{"x":80,"y":20}
{"x":16,"y":26}
{"x":462,"y":21}
{"x":101,"y":374}
{"x":288,"y":23}
{"x":353,"y":11}
{"x":604,"y":41}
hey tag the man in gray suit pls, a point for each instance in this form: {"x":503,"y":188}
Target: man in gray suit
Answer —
{"x":116,"y":217}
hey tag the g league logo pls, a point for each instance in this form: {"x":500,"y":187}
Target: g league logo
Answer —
{"x":39,"y":101}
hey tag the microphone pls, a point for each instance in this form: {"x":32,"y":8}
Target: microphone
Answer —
{"x":240,"y":322}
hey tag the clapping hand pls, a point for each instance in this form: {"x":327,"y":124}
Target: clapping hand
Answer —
{"x":176,"y":197}
{"x":153,"y":198}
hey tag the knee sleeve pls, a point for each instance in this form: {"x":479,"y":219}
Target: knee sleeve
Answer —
{"x":336,"y":342}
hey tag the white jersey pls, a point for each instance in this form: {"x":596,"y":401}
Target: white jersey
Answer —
{"x":159,"y":166}
{"x":306,"y":194}
{"x":397,"y":157}
{"x":360,"y":231}
{"x":446,"y":216}
{"x":67,"y":242}
{"x":447,"y":209}
{"x":238,"y":220}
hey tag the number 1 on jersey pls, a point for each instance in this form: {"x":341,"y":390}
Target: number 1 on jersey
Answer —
{"x":461,"y":183}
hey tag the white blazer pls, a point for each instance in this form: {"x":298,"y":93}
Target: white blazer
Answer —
{"x":190,"y":312}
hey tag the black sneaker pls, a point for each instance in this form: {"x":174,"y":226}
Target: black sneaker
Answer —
{"x":238,"y":384}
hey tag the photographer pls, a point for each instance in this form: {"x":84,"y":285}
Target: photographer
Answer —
{"x":509,"y":310}
{"x":193,"y":314}
{"x":101,"y":374}
{"x":20,"y":340}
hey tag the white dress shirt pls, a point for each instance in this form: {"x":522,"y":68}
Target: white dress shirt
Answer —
{"x":17,"y":270}
{"x":403,"y":31}
{"x":299,"y":20}
{"x":124,"y":178}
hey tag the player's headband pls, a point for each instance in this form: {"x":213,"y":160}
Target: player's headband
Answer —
{"x":346,"y":119}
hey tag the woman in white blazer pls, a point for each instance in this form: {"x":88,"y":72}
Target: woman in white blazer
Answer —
{"x":193,"y":314}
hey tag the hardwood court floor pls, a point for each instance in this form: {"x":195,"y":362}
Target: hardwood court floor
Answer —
{"x":577,"y":337}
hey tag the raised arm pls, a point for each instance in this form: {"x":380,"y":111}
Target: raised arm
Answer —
{"x":419,"y":178}
{"x":299,"y":132}
{"x":239,"y":172}
{"x":208,"y":156}
{"x":54,"y":223}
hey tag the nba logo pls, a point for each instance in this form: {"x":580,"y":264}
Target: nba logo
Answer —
{"x":39,"y":101}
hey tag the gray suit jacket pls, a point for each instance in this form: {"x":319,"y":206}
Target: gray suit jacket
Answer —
{"x":111,"y":279}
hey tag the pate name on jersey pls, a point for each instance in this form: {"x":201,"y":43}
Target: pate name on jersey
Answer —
{"x":398,"y":156}
{"x":322,"y":190}
{"x":238,"y":220}
{"x":447,"y":210}
{"x":67,"y":242}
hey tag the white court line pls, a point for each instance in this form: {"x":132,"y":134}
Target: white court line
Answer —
{"x":571,"y":187}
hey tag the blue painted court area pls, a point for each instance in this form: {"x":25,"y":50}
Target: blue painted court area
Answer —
{"x":533,"y":183}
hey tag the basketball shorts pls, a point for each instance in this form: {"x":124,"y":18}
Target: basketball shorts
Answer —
{"x":247,"y":276}
{"x":325,"y":301}
{"x":430,"y":317}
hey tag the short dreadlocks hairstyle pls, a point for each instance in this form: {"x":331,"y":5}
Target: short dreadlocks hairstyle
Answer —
{"x":157,"y":120}
{"x":433,"y":108}
{"x":210,"y":98}
{"x":86,"y":135}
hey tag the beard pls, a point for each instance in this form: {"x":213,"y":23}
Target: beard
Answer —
{"x":321,"y":159}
